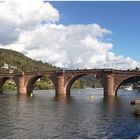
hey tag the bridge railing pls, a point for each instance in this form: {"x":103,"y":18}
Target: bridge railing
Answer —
{"x":70,"y":71}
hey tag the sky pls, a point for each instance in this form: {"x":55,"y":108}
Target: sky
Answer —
{"x":122,"y":18}
{"x":76,"y":34}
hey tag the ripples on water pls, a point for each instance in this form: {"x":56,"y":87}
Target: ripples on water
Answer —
{"x":47,"y":116}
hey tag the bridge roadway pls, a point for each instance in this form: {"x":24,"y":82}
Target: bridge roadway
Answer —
{"x":111,"y":79}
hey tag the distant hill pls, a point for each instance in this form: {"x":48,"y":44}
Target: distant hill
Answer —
{"x":17,"y":62}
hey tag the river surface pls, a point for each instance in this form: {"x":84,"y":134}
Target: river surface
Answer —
{"x":46,"y":116}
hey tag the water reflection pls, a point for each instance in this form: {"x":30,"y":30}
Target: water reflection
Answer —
{"x":77,"y":116}
{"x":62,"y":98}
{"x":110,"y":104}
{"x":23,"y":97}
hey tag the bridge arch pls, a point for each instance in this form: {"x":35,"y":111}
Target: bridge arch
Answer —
{"x":30,"y":84}
{"x":71,"y":81}
{"x":4,"y":79}
{"x":127,"y":79}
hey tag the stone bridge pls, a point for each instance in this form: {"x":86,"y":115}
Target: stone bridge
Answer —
{"x":63,"y":79}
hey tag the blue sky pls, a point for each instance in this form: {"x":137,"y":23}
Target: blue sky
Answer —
{"x":122,"y":18}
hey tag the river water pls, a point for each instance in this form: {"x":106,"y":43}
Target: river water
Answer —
{"x":46,"y":116}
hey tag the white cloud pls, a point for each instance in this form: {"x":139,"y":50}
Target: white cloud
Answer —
{"x":73,"y":46}
{"x":68,"y":46}
{"x":17,"y":16}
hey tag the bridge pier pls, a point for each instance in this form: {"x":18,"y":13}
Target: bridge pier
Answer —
{"x":1,"y":84}
{"x":1,"y":90}
{"x":109,"y":86}
{"x":60,"y":88}
{"x":21,"y":87}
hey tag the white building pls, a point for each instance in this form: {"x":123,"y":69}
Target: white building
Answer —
{"x":5,"y":66}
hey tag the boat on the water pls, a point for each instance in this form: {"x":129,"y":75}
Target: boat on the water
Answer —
{"x":136,"y":103}
{"x":129,"y":88}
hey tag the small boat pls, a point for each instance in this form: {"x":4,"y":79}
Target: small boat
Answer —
{"x":137,"y":110}
{"x":91,"y":96}
{"x":129,"y":88}
{"x":136,"y":103}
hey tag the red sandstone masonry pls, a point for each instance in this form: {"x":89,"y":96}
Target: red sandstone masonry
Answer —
{"x":63,"y":79}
